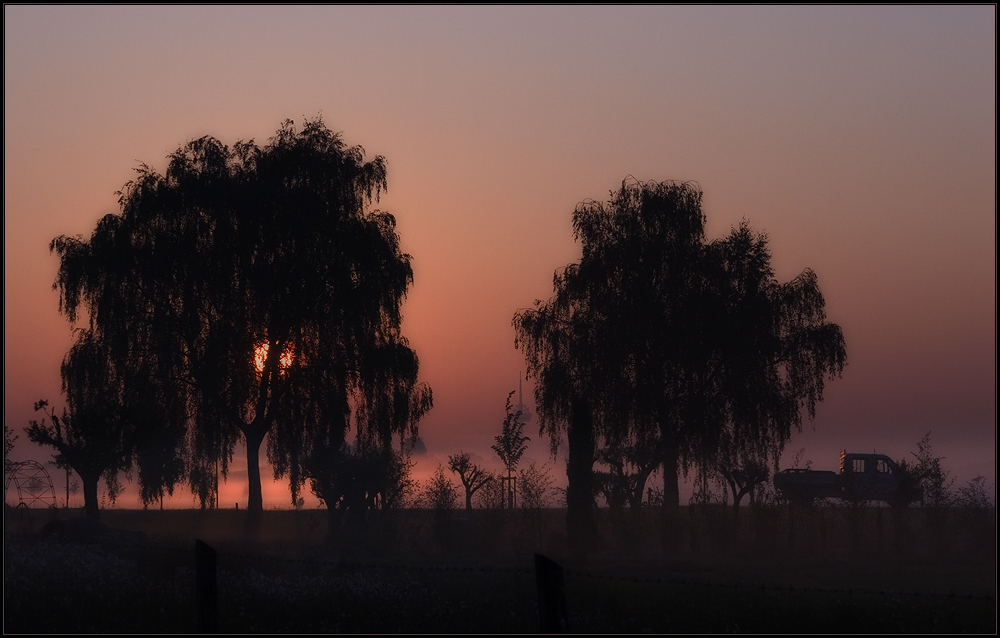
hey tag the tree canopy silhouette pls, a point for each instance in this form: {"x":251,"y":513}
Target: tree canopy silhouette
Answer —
{"x":9,"y":439}
{"x":352,"y":481}
{"x":656,"y":332}
{"x":96,"y":435}
{"x":256,"y":284}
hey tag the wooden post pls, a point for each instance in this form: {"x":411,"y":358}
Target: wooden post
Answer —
{"x":206,"y":588}
{"x":551,"y":595}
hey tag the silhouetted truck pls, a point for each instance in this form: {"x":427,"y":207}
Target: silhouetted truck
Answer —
{"x":863,"y":477}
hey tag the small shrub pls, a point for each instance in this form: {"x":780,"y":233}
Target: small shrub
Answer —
{"x":935,"y":481}
{"x":492,"y":496}
{"x":974,"y":495}
{"x":534,"y":487}
{"x":440,"y":493}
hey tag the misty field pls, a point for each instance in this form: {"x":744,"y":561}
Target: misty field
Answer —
{"x":828,"y":570}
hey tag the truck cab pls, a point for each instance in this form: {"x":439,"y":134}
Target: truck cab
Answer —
{"x":869,"y":477}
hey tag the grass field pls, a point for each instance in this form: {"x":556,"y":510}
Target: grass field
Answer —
{"x":831,"y":569}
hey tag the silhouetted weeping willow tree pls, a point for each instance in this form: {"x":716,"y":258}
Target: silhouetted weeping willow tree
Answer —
{"x":772,"y":350}
{"x":93,"y":435}
{"x":658,"y":333}
{"x":260,"y":292}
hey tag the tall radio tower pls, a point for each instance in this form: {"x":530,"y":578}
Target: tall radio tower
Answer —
{"x":525,"y":415}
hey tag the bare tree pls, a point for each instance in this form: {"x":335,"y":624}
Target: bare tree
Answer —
{"x":473,"y":477}
{"x":629,"y":463}
{"x":742,"y":479}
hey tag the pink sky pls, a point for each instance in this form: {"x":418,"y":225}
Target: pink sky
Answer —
{"x":861,"y":139}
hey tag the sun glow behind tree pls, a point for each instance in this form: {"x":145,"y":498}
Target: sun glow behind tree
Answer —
{"x":260,"y":358}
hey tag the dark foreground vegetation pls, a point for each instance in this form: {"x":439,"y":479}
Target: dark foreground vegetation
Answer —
{"x":775,"y":569}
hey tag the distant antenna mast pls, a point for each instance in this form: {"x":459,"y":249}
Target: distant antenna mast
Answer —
{"x":525,"y":415}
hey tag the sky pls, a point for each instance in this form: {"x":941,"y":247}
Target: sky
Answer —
{"x":862,"y":140}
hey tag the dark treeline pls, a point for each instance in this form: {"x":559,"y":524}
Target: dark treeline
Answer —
{"x":251,"y":294}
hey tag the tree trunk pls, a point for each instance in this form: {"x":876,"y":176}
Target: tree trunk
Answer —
{"x":255,"y":501}
{"x":671,"y":467}
{"x":333,"y":525}
{"x":580,"y":530}
{"x":510,"y":489}
{"x":90,"y":503}
{"x":635,"y":499}
{"x":468,"y":499}
{"x":737,"y":497}
{"x":671,"y":531}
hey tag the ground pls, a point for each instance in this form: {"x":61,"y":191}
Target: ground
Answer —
{"x":829,"y":569}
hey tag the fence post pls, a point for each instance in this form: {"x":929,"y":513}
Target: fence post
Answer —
{"x":551,"y":595}
{"x":206,"y":588}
